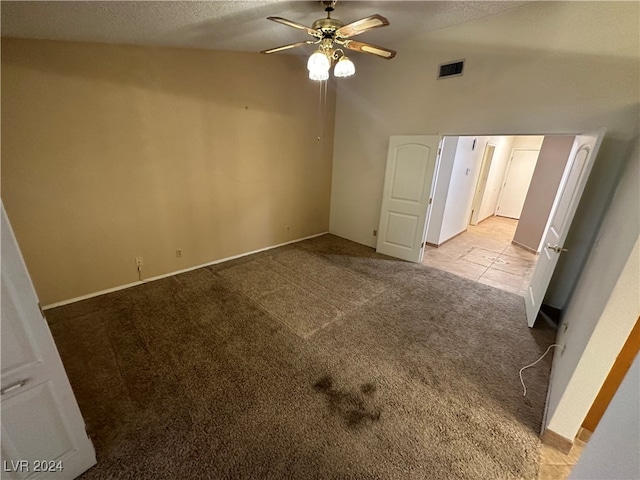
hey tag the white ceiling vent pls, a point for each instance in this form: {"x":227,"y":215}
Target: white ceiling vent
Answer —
{"x":453,"y":69}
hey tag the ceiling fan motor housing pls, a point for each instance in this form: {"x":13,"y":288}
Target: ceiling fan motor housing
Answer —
{"x":327,"y":26}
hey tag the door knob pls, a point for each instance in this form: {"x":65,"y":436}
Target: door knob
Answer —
{"x":556,"y":248}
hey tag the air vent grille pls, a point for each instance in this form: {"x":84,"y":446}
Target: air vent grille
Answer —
{"x":453,"y":69}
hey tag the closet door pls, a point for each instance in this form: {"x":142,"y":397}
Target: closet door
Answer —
{"x":43,"y":433}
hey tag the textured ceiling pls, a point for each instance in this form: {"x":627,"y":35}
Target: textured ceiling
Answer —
{"x":227,"y":25}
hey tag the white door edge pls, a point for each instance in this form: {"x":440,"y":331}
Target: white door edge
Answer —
{"x":547,"y":262}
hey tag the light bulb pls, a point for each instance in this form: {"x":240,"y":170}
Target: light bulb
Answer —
{"x":319,"y":75}
{"x":344,"y":67}
{"x":318,"y":61}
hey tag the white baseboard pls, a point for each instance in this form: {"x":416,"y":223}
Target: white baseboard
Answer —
{"x":177,"y":272}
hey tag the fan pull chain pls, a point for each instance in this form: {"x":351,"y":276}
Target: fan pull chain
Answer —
{"x":322,"y":109}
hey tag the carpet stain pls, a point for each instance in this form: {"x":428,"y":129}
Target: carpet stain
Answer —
{"x":355,"y":409}
{"x":368,"y":389}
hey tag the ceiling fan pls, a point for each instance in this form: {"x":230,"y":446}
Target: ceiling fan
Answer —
{"x":329,"y":35}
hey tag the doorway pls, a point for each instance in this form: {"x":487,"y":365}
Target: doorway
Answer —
{"x":481,"y":177}
{"x":446,"y":208}
{"x":492,"y":198}
{"x":485,"y":254}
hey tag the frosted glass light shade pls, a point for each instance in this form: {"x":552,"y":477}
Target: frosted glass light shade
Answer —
{"x":318,"y":61}
{"x":319,"y":75}
{"x":344,"y":68}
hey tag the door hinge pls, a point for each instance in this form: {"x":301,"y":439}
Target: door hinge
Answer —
{"x":439,"y":151}
{"x":423,"y":244}
{"x":430,"y":200}
{"x":41,"y":311}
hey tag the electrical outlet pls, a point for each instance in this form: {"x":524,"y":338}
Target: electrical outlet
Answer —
{"x":139,"y":262}
{"x":178,"y":252}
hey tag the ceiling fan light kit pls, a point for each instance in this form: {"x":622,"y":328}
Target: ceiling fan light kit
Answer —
{"x":329,"y":32}
{"x":344,"y":67}
{"x":318,"y":61}
{"x":319,"y":75}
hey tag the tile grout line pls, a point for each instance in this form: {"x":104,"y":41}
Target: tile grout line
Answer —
{"x":494,"y":244}
{"x":485,"y":270}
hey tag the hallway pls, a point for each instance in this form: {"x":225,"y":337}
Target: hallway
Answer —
{"x":485,"y":254}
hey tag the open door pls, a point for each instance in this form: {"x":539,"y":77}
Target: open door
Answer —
{"x":583,"y":153}
{"x":406,"y":199}
{"x":43,"y":433}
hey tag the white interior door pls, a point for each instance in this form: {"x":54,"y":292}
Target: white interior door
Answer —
{"x":43,"y":433}
{"x":406,"y":197}
{"x":516,"y":184}
{"x":583,"y":153}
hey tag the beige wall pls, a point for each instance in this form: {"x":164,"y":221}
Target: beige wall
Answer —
{"x":114,"y":152}
{"x":552,"y":159}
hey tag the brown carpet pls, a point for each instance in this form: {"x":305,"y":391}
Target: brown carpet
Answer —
{"x":321,"y":359}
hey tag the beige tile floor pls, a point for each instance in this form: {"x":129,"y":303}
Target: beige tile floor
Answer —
{"x":555,"y":465}
{"x":485,"y":254}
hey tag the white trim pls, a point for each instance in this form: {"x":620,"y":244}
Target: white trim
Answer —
{"x":177,"y":272}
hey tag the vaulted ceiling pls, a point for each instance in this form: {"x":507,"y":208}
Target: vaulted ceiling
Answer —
{"x":227,"y":25}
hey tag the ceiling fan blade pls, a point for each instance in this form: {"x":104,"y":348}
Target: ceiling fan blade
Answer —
{"x":299,"y":26}
{"x":368,"y":48}
{"x":361,"y":26}
{"x":284,"y":47}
